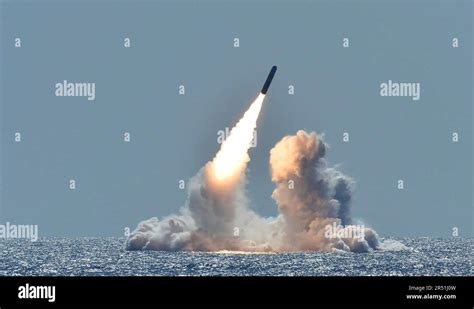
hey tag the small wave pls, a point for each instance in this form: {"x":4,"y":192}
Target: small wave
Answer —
{"x":392,"y":245}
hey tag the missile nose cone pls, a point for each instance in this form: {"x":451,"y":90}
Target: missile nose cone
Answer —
{"x":269,"y":80}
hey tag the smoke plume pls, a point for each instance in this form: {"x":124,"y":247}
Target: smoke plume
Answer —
{"x":312,"y":197}
{"x":313,"y":202}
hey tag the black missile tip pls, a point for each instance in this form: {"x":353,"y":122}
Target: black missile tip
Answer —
{"x":269,"y":80}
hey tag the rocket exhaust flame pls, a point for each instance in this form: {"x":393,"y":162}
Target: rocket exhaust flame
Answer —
{"x":233,"y":156}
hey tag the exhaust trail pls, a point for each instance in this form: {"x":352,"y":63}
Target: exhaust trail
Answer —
{"x":233,"y":155}
{"x":217,"y":207}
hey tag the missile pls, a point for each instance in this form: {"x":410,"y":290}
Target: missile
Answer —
{"x":269,"y":80}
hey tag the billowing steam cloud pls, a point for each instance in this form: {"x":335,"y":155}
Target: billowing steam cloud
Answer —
{"x":313,"y":199}
{"x":313,"y":202}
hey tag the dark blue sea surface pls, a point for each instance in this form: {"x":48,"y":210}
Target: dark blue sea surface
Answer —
{"x":107,"y":257}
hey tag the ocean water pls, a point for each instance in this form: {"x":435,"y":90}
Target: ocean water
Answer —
{"x":107,"y":257}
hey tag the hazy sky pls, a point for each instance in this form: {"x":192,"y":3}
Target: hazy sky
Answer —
{"x":172,"y":136}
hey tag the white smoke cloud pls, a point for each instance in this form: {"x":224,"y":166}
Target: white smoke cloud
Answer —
{"x":310,"y":196}
{"x":207,"y":222}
